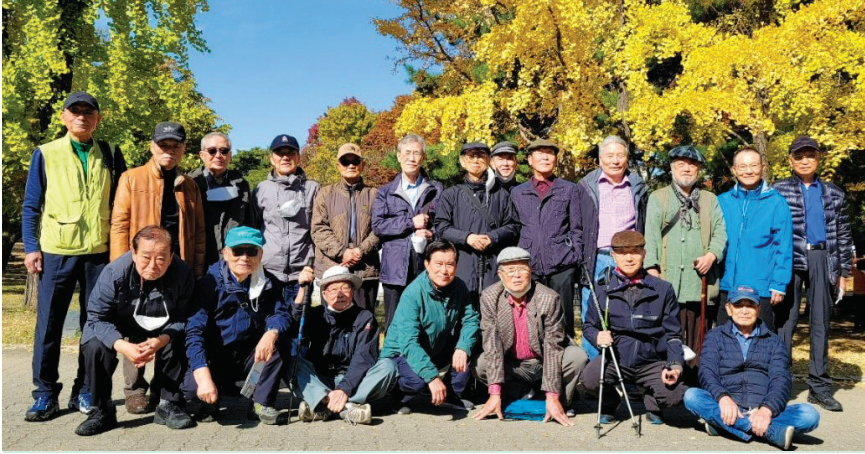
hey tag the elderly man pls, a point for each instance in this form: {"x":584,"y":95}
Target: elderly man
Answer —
{"x":139,"y":309}
{"x":686,"y":239}
{"x":434,"y":332}
{"x":224,"y":192}
{"x":745,"y":383}
{"x":549,"y":213}
{"x":643,"y":330}
{"x":282,"y":210}
{"x":759,"y":236}
{"x":478,"y":217}
{"x":503,"y":161}
{"x":342,"y":226}
{"x":612,"y":199}
{"x":402,"y":219}
{"x":822,"y":259}
{"x":241,"y":318}
{"x":339,"y":373}
{"x":156,"y":194}
{"x":524,"y":341}
{"x":70,"y":188}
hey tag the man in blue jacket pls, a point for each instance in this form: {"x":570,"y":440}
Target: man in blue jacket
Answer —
{"x":242,"y":320}
{"x":759,"y":237}
{"x":745,"y":380}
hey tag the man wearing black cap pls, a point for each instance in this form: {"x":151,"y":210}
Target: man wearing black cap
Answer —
{"x":822,"y":260}
{"x":156,"y":194}
{"x":503,"y":161}
{"x":65,"y":234}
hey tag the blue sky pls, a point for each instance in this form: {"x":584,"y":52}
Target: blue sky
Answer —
{"x":276,"y":66}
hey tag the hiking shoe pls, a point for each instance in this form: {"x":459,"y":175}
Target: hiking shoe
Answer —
{"x":782,"y":437}
{"x":81,"y":402}
{"x":607,"y":418}
{"x":267,"y":415}
{"x":171,"y":416}
{"x":355,"y":414}
{"x":404,"y":410}
{"x":137,"y":404}
{"x":469,"y":405}
{"x":570,"y":413}
{"x":43,"y":409}
{"x":825,"y":400}
{"x":207,"y":412}
{"x":710,"y":429}
{"x":655,"y":418}
{"x":306,"y":414}
{"x":98,"y":420}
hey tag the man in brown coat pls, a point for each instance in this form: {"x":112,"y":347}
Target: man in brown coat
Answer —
{"x":342,"y":226}
{"x":144,"y":199}
{"x":525,"y":341}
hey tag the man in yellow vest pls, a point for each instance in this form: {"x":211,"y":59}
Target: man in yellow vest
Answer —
{"x":67,"y":205}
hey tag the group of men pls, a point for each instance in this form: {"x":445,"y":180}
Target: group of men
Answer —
{"x":207,"y":279}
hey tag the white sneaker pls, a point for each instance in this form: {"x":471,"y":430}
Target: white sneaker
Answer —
{"x":355,"y":414}
{"x":306,"y":414}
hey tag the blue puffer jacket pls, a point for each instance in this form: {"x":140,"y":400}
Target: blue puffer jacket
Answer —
{"x":761,"y":380}
{"x":839,"y":241}
{"x":759,"y":240}
{"x":227,"y":318}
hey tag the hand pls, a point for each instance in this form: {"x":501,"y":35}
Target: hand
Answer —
{"x":605,"y":339}
{"x":134,"y":352}
{"x":420,"y":221}
{"x":760,"y":420}
{"x":336,"y":400}
{"x":206,"y":391}
{"x":438,"y":391}
{"x":265,"y":347}
{"x":478,"y":242}
{"x":424,"y":233}
{"x":555,"y":411}
{"x":777,"y":297}
{"x":460,"y":360}
{"x":704,"y":263}
{"x":33,"y":262}
{"x":729,"y":410}
{"x":670,"y":376}
{"x":654,"y":272}
{"x":351,"y":257}
{"x":493,"y":406}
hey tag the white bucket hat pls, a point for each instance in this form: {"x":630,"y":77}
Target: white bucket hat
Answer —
{"x":338,"y":274}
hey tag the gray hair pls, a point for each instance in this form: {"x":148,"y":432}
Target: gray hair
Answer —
{"x":411,"y":138}
{"x":609,"y":141}
{"x":211,"y":135}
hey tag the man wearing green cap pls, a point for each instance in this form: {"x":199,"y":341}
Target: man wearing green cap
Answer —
{"x":241,"y":320}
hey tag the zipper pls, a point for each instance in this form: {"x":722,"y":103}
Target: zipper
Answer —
{"x":741,"y":228}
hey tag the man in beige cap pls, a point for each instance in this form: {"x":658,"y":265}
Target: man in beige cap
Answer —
{"x":342,"y":226}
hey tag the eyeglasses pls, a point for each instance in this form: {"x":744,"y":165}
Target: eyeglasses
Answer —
{"x":223,"y":151}
{"x":681,"y":164}
{"x":803,"y":156}
{"x":512,"y":271}
{"x":344,"y":288}
{"x":86,"y":111}
{"x":752,"y":167}
{"x":476,"y":155}
{"x":345,"y":162}
{"x":249,"y":251}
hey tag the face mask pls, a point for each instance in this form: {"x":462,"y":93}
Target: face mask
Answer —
{"x":290,"y":209}
{"x":419,"y":243}
{"x":520,"y":294}
{"x":147,"y":322}
{"x":336,"y":311}
{"x":222,"y":194}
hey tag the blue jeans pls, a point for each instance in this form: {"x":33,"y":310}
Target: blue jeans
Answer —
{"x":803,"y":417}
{"x":603,"y":262}
{"x":314,"y":387}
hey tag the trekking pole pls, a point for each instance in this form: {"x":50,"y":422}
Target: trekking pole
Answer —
{"x":636,"y":425}
{"x":296,"y":345}
{"x":704,"y":297}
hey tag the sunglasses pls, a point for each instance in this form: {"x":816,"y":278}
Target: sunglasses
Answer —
{"x":249,"y":251}
{"x":284,"y":151}
{"x":350,"y":162}
{"x":223,"y":151}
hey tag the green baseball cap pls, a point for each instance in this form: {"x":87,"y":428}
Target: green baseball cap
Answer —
{"x":239,"y":236}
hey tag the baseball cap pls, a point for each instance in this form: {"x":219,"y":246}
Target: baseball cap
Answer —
{"x":244,"y":235}
{"x":169,"y":130}
{"x":83,"y":97}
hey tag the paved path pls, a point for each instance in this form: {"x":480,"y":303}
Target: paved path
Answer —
{"x":438,"y":432}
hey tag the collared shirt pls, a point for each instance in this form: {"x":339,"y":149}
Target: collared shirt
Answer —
{"x":745,"y":341}
{"x":83,"y":151}
{"x":412,"y":190}
{"x":522,"y":349}
{"x":815,"y":220}
{"x":616,"y":211}
{"x":542,"y":186}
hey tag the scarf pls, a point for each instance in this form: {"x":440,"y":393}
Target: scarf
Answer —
{"x":686,"y":204}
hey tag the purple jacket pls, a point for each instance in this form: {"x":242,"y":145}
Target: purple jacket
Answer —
{"x":392,"y":223}
{"x":549,"y":225}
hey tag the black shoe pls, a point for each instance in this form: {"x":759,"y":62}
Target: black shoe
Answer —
{"x":171,"y":416}
{"x":825,"y":400}
{"x":98,"y":420}
{"x":207,"y":412}
{"x":655,"y":418}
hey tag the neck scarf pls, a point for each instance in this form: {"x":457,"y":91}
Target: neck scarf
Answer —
{"x":686,"y":204}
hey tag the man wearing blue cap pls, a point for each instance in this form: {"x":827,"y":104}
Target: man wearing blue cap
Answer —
{"x":744,"y":379}
{"x":242,"y":320}
{"x":69,"y":193}
{"x":282,"y":210}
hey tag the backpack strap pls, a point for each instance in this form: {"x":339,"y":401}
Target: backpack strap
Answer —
{"x":112,"y":159}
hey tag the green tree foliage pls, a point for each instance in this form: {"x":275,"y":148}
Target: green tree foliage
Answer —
{"x":253,"y":164}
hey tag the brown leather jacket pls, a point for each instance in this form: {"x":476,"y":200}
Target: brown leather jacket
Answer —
{"x":138,"y":203}
{"x":330,"y":228}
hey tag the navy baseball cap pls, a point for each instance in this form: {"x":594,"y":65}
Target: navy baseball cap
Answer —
{"x":744,"y":294}
{"x":284,"y":140}
{"x":687,"y":151}
{"x":169,"y":130}
{"x":803,"y":143}
{"x":474,"y":146}
{"x":83,"y":97}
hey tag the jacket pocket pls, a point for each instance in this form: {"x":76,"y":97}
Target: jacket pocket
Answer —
{"x":67,"y":224}
{"x":562,"y":251}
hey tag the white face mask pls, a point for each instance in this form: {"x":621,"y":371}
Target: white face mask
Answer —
{"x":147,"y":322}
{"x":419,"y":243}
{"x":520,"y":294}
{"x":222,"y":194}
{"x":290,"y":209}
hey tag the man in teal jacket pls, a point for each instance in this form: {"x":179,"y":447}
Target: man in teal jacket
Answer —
{"x":759,"y":236}
{"x":434,"y":331}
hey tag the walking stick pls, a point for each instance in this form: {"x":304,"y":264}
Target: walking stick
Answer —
{"x":296,"y":346}
{"x":704,"y":296}
{"x":636,"y":425}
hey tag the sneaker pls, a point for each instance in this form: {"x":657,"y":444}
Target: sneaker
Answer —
{"x":355,"y":414}
{"x":655,"y":418}
{"x":404,"y":410}
{"x":782,"y":437}
{"x":306,"y":414}
{"x":570,"y":413}
{"x":607,"y":418}
{"x":43,"y":409}
{"x":710,"y":429}
{"x":171,"y":416}
{"x":98,"y":420}
{"x":267,"y":415}
{"x":825,"y":400}
{"x":469,"y":405}
{"x":81,"y":402}
{"x":137,"y":404}
{"x":207,"y":412}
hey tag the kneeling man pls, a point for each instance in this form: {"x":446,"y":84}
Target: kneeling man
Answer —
{"x":525,"y":341}
{"x":745,"y":380}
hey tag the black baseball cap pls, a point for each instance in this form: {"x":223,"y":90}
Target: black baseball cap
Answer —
{"x":802,"y":143}
{"x":169,"y":130}
{"x":83,"y":97}
{"x":474,"y":146}
{"x":284,"y":140}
